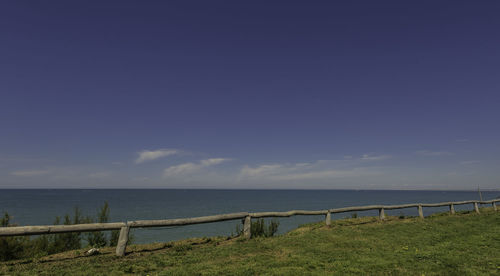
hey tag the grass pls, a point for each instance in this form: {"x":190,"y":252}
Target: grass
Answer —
{"x":462,"y":244}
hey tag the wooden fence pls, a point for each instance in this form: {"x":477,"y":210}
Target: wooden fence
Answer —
{"x":124,"y":227}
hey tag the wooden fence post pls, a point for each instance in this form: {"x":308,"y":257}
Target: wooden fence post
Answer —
{"x":494,"y":205}
{"x":420,"y":211}
{"x":122,"y":241}
{"x":247,"y":227}
{"x":452,"y":209}
{"x":381,"y":214}
{"x":476,"y":208}
{"x":328,"y":220}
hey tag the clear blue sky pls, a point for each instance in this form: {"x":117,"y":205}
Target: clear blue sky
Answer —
{"x":250,"y":94}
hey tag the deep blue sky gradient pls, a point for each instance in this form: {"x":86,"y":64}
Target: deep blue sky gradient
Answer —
{"x":86,"y":85}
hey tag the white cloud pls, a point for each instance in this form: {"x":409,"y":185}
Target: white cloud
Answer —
{"x":469,"y":162}
{"x":368,"y":157}
{"x":190,"y":168}
{"x":30,"y":172}
{"x":433,"y":153}
{"x":319,"y":170}
{"x":259,"y":171}
{"x":181,"y":169}
{"x":64,"y":174}
{"x":213,"y":161}
{"x":149,"y":155}
{"x":326,"y":174}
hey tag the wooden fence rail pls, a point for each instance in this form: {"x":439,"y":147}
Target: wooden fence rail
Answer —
{"x":124,"y":227}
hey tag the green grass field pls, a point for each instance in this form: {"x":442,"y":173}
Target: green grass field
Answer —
{"x":462,"y":244}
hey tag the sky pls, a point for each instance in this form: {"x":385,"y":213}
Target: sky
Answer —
{"x":250,"y":94}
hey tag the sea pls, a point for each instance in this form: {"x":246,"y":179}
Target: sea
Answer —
{"x":41,"y":206}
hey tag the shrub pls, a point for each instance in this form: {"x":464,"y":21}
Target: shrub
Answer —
{"x":67,"y":241}
{"x":115,"y":234}
{"x":24,"y":247}
{"x":259,"y":228}
{"x":98,"y":239}
{"x":11,"y":247}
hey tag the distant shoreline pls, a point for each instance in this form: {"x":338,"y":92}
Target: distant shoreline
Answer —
{"x":234,"y":189}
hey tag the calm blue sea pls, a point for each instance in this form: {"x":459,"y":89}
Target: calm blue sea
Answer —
{"x":41,"y":206}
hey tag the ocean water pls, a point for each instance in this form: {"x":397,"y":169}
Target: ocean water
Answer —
{"x":41,"y":206}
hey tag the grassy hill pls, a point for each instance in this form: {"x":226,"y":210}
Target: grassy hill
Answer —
{"x":462,"y":244}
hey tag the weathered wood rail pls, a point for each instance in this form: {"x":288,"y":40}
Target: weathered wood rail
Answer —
{"x":124,"y":227}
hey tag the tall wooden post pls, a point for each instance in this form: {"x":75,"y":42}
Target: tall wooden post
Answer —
{"x":122,"y":241}
{"x":452,"y":209}
{"x":476,"y":208}
{"x":247,"y":227}
{"x":381,"y":214}
{"x":420,"y":211}
{"x":328,"y":219}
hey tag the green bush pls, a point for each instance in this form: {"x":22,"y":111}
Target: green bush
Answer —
{"x":11,"y":247}
{"x":260,"y":228}
{"x":115,"y":234}
{"x":98,"y":239}
{"x":24,"y":247}
{"x":67,"y":241}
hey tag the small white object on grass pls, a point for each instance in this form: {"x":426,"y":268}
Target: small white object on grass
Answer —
{"x":92,"y":251}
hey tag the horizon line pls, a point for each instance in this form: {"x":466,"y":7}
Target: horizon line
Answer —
{"x":263,"y":189}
